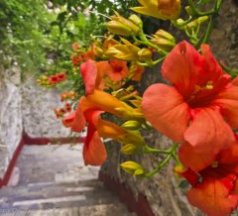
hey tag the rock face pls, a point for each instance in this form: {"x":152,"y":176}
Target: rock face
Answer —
{"x":38,"y":106}
{"x":10,"y":115}
{"x":24,"y":105}
{"x":224,"y":38}
{"x":162,"y":191}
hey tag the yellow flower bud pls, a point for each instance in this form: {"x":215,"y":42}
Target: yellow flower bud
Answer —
{"x":137,"y":20}
{"x":197,"y":22}
{"x":180,"y":22}
{"x":163,"y":39}
{"x":124,"y":51}
{"x":193,"y":24}
{"x":122,"y":26}
{"x":132,"y":168}
{"x":131,"y":124}
{"x":118,"y":28}
{"x":164,"y":34}
{"x":128,"y":149}
{"x":144,"y":54}
{"x":179,"y":168}
{"x":130,"y":113}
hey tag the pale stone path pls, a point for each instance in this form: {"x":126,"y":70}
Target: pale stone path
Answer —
{"x":53,"y":181}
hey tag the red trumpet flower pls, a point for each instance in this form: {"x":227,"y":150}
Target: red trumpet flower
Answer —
{"x":200,"y":108}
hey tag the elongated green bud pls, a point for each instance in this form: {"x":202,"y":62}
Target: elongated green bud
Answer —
{"x":133,"y":168}
{"x":131,"y":125}
{"x":136,"y":20}
{"x":128,"y":149}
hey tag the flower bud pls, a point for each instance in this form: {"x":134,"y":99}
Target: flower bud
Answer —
{"x":118,"y":28}
{"x":145,"y":54}
{"x":137,"y":20}
{"x":128,"y":149}
{"x":193,"y":24}
{"x":163,"y":39}
{"x":122,"y":26}
{"x":132,"y":168}
{"x":164,"y":34}
{"x":197,"y":22}
{"x":131,"y":125}
{"x":189,"y":10}
{"x":129,"y":113}
{"x":99,"y":51}
{"x":124,"y":51}
{"x":180,"y":22}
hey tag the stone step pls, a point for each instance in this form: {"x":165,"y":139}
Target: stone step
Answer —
{"x":96,"y":210}
{"x":59,"y":201}
{"x":41,"y":187}
{"x":53,"y":181}
{"x":53,"y":163}
{"x":60,"y":196}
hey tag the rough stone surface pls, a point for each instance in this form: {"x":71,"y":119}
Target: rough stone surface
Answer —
{"x":10,"y":115}
{"x":38,"y":111}
{"x":25,"y":105}
{"x":54,"y":182}
{"x":162,"y":191}
{"x":224,"y":39}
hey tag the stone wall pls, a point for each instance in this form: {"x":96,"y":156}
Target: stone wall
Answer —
{"x":38,"y":106}
{"x":10,"y":115}
{"x":162,"y":191}
{"x":25,"y":106}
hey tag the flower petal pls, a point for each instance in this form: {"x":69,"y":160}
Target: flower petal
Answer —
{"x":182,"y":66}
{"x":75,"y":120}
{"x":228,"y":101}
{"x":235,"y":81}
{"x":148,"y":12}
{"x":108,"y":129}
{"x":208,"y":132}
{"x":111,"y":104}
{"x":213,"y":69}
{"x":229,"y":155}
{"x":165,"y":109}
{"x":194,"y":160}
{"x":213,"y":196}
{"x":94,"y":152}
{"x":102,"y":68}
{"x":68,"y":119}
{"x":89,"y":74}
{"x":119,"y":70}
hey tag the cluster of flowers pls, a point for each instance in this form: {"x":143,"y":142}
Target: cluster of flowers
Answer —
{"x":52,"y":80}
{"x":198,"y":109}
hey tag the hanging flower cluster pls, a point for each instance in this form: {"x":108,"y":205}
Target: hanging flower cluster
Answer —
{"x":52,"y":80}
{"x":196,"y":106}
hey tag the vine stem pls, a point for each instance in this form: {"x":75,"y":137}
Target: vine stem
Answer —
{"x":210,"y":24}
{"x":150,"y":150}
{"x":207,"y":32}
{"x":207,"y":13}
{"x":146,"y":42}
{"x":164,"y":162}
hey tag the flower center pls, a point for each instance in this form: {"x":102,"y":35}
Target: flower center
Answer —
{"x":202,"y":95}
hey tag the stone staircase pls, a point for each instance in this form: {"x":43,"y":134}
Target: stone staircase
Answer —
{"x":53,"y":181}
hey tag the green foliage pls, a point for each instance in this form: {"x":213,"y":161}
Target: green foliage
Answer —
{"x":23,"y":24}
{"x":105,"y":7}
{"x":37,"y":34}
